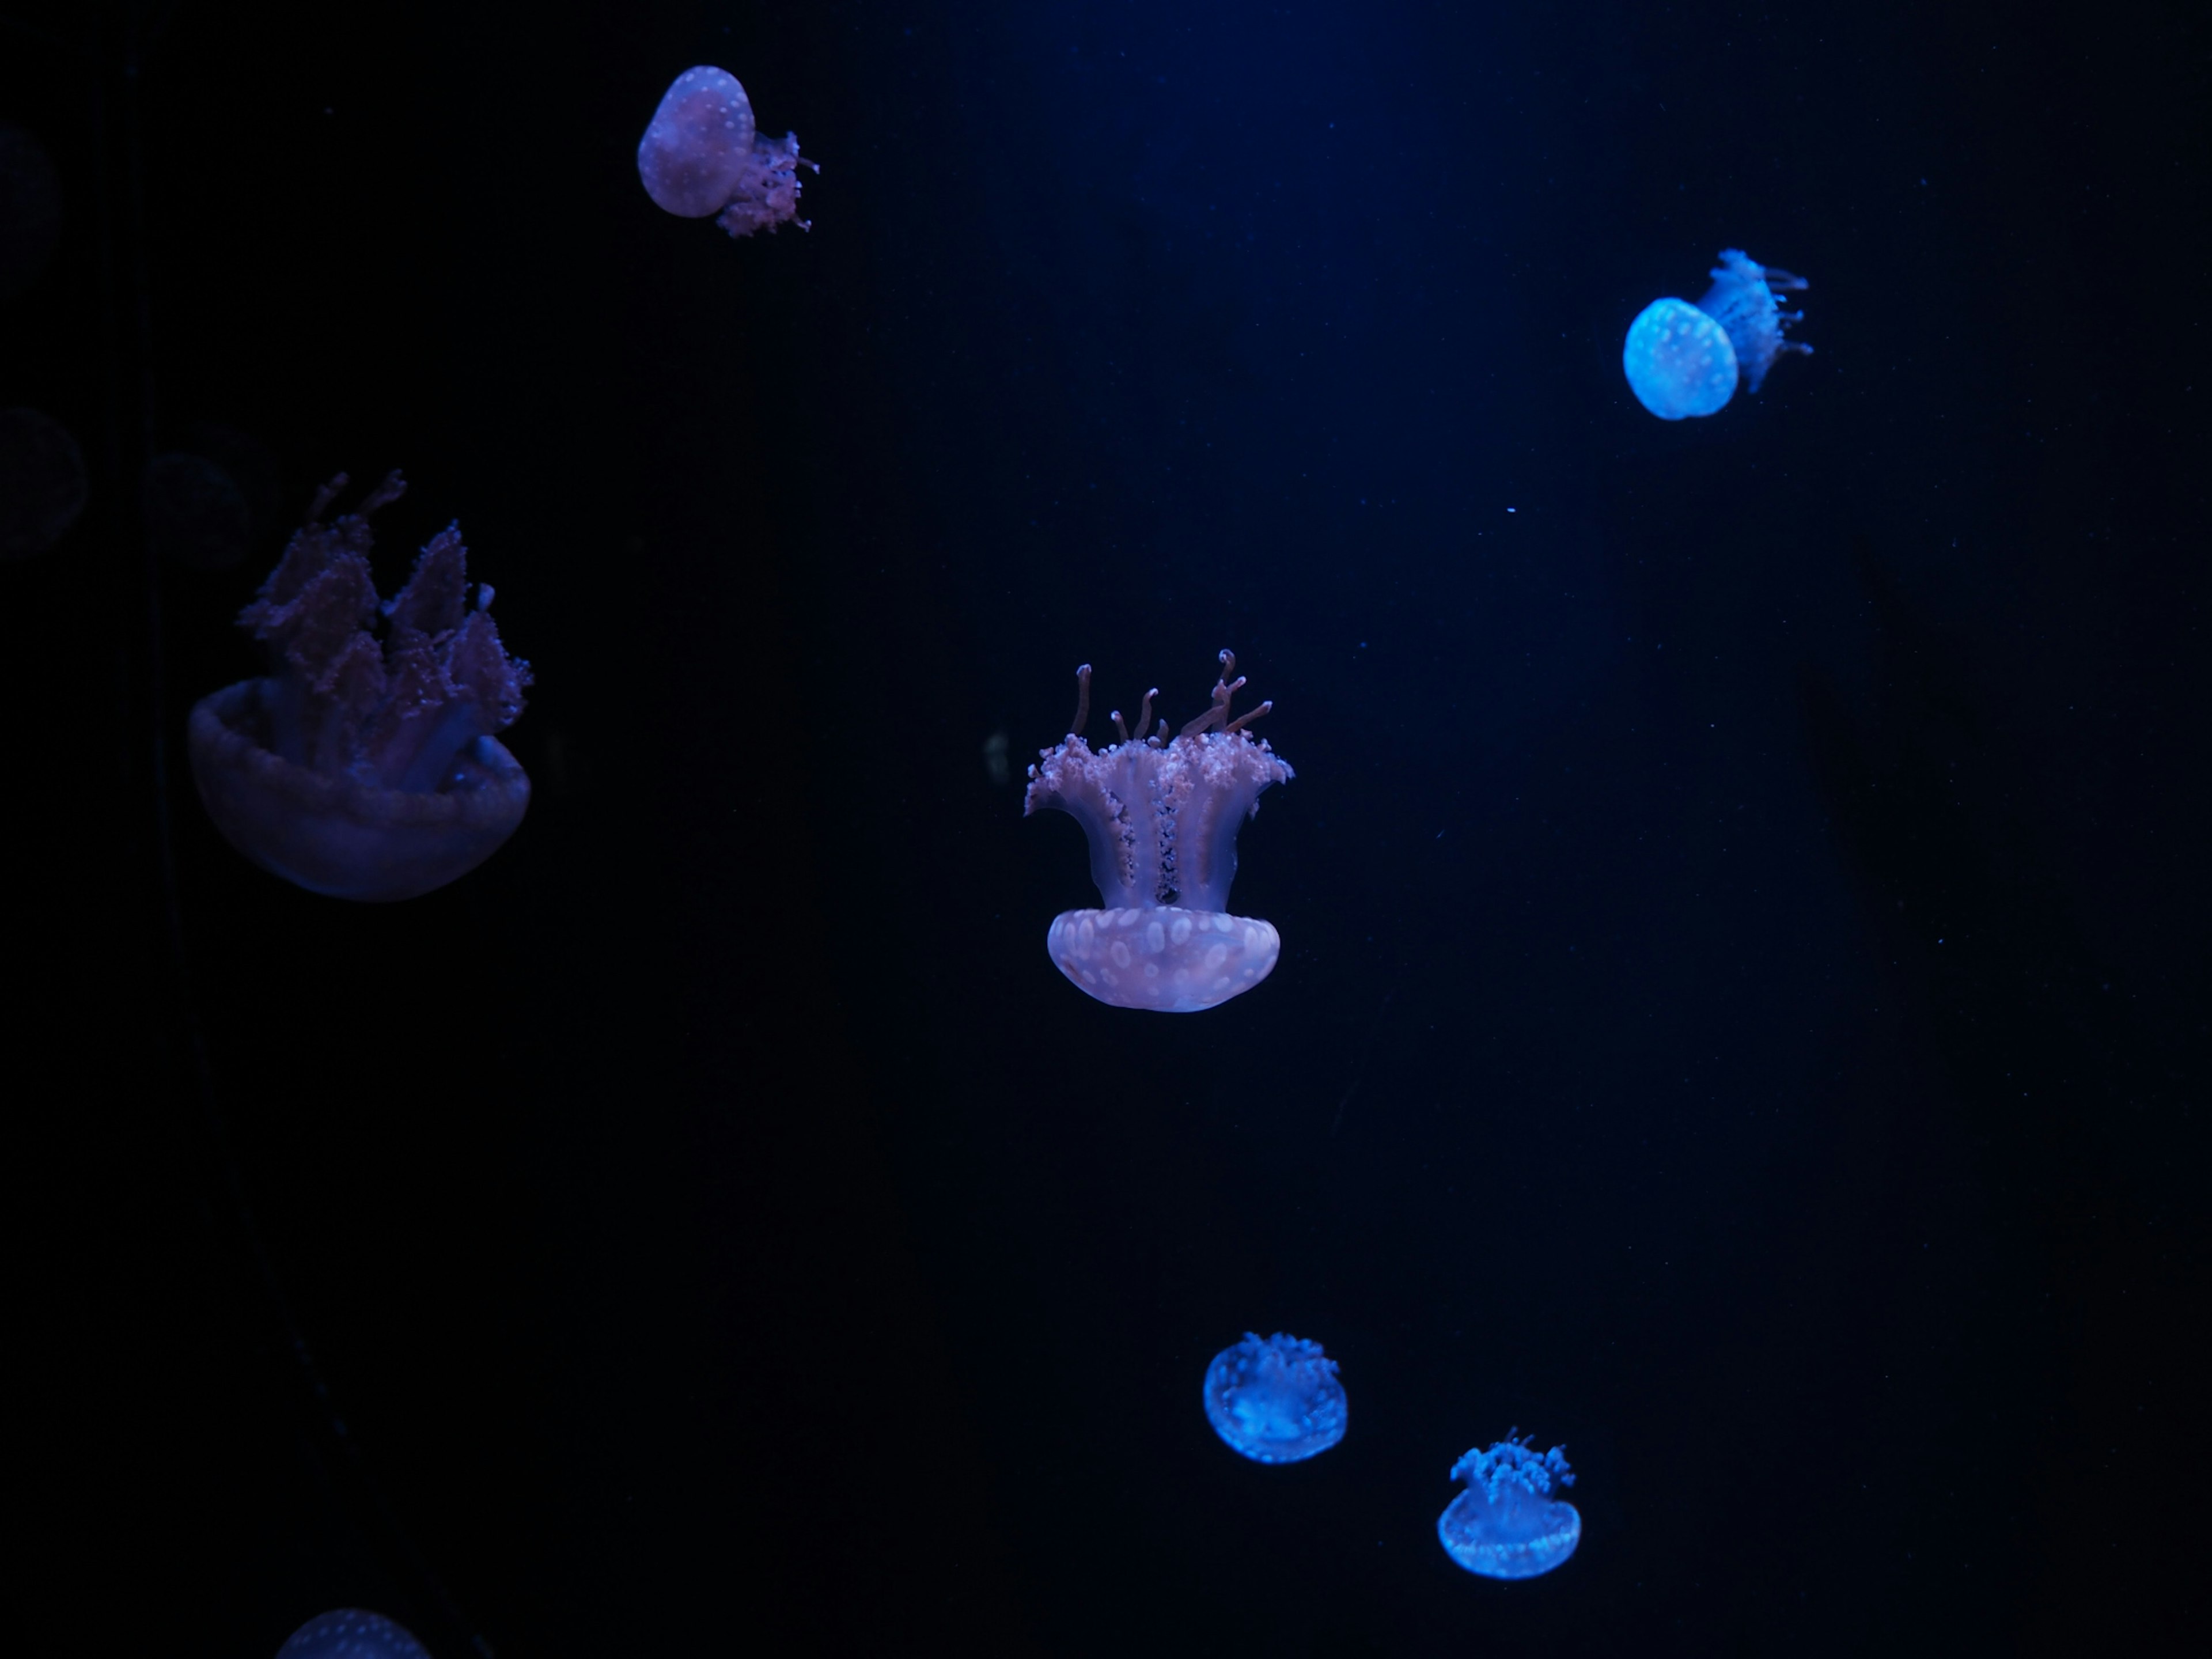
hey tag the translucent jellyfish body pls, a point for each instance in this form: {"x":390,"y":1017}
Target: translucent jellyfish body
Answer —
{"x":1161,"y":818}
{"x":1684,"y":359}
{"x":1275,"y":1401}
{"x":351,"y":1633}
{"x":1506,"y":1524}
{"x":361,"y":770}
{"x":703,"y":158}
{"x":43,"y":483}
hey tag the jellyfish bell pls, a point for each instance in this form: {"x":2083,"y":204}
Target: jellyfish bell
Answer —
{"x":1161,"y":817}
{"x":1685,"y":360}
{"x":702,"y":157}
{"x":1679,"y":361}
{"x":358,"y":769}
{"x":1276,"y":1400}
{"x":43,"y":483}
{"x":1507,"y":1524}
{"x":351,"y":1633}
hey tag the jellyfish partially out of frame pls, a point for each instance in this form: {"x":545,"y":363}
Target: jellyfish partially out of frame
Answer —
{"x":1685,"y":360}
{"x":1162,"y":817}
{"x":354,"y":769}
{"x":351,"y":1633}
{"x":702,"y":157}
{"x":1507,"y":1524}
{"x":1276,"y":1400}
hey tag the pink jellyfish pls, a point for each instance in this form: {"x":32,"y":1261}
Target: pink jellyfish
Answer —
{"x":355,"y":769}
{"x":702,"y":157}
{"x":1161,"y":818}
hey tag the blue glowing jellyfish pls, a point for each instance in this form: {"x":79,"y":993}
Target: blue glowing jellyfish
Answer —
{"x":1685,"y":360}
{"x":1161,"y":818}
{"x":1506,"y":1524}
{"x":702,"y":157}
{"x":355,"y":769}
{"x":1276,"y":1400}
{"x":350,"y":1633}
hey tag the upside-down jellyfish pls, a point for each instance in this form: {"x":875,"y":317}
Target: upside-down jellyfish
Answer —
{"x":1275,"y":1401}
{"x":1506,"y":1524}
{"x":1161,"y":818}
{"x":362,"y":771}
{"x":703,"y":158}
{"x":351,"y":1633}
{"x":1685,"y":360}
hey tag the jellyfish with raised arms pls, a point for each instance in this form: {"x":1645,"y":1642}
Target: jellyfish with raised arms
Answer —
{"x":354,"y":769}
{"x":703,"y":158}
{"x":1685,"y":360}
{"x":1162,"y":817}
{"x":351,"y":1633}
{"x":1507,"y":1524}
{"x":1276,"y":1400}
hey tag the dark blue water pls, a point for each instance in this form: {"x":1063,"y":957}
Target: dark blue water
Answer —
{"x":1740,"y":1007}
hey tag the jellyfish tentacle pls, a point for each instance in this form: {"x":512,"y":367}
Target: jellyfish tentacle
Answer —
{"x":384,"y":495}
{"x":323,"y":497}
{"x":1082,"y":702}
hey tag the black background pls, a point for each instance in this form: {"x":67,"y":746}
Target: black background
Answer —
{"x":1742,"y":1005}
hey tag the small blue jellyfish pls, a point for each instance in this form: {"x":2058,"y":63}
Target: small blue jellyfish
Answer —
{"x":1276,"y":1400}
{"x":350,"y":1633}
{"x":1506,"y":1524}
{"x":1684,"y":359}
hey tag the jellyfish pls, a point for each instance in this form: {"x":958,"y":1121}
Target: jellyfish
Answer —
{"x":702,"y":157}
{"x":211,"y":498}
{"x":1275,"y":1401}
{"x":361,"y":771}
{"x":1506,"y":1524}
{"x":351,"y":1633}
{"x":1685,"y":360}
{"x":43,"y":484}
{"x":1162,"y":817}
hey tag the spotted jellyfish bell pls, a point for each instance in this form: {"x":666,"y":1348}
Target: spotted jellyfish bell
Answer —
{"x":1506,"y":1524}
{"x":1161,"y":818}
{"x":1684,"y":359}
{"x":1275,"y":1401}
{"x":351,"y":1633}
{"x":702,"y":157}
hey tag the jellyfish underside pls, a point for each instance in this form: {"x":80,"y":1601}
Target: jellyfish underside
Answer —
{"x":1507,"y":1524}
{"x":1161,"y":817}
{"x":1276,"y":1400}
{"x":357,"y":770}
{"x":702,"y":157}
{"x":1514,"y":1535}
{"x":1685,"y":360}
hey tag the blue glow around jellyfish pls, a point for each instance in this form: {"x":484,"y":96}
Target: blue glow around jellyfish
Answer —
{"x":1506,"y":1524}
{"x":351,"y":1633}
{"x":1684,"y":359}
{"x":1275,"y":1401}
